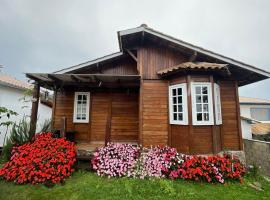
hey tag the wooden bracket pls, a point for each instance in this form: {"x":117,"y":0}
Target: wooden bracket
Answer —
{"x":132,"y":55}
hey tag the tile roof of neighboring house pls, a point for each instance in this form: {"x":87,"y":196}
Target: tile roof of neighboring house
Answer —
{"x":250,"y":100}
{"x":193,"y":65}
{"x":13,"y":82}
{"x":260,"y":128}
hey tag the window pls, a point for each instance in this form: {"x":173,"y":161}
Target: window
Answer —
{"x":202,"y":107}
{"x":260,"y":114}
{"x":81,"y":107}
{"x":218,"y":115}
{"x":178,"y":104}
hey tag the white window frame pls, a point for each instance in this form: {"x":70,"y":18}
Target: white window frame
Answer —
{"x":218,"y":111}
{"x":210,"y":103}
{"x":184,"y":121}
{"x":86,"y":120}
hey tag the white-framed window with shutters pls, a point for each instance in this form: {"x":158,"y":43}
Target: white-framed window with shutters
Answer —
{"x":178,"y":104}
{"x":218,"y":114}
{"x":81,"y":107}
{"x":202,"y":104}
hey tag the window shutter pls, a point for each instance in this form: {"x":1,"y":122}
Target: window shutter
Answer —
{"x":218,"y":114}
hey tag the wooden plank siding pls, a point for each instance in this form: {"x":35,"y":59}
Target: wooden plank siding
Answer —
{"x":124,"y":119}
{"x":230,"y":130}
{"x":154,"y":112}
{"x":153,"y":58}
{"x":124,"y":66}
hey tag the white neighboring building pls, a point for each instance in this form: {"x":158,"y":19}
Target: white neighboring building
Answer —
{"x":11,"y":91}
{"x":253,"y":111}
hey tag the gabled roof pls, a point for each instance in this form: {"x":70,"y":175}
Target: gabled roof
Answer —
{"x":252,"y":101}
{"x":138,"y":34}
{"x":10,"y":81}
{"x":145,"y":29}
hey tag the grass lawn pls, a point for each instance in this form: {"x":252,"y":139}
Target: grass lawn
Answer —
{"x":86,"y":185}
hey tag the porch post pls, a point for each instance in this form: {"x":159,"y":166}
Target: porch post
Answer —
{"x":34,"y":111}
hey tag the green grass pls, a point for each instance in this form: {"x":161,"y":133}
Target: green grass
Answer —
{"x":85,"y":185}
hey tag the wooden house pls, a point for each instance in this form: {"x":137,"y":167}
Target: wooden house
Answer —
{"x":157,"y":90}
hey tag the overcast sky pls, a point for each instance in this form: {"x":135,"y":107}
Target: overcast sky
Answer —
{"x":44,"y":36}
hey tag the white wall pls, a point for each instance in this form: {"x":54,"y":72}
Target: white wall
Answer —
{"x":9,"y":98}
{"x":246,"y":129}
{"x":245,"y":109}
{"x":245,"y":112}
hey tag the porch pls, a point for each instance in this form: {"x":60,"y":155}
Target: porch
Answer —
{"x":113,"y":114}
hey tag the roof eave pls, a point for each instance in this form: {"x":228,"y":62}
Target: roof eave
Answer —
{"x":195,"y":48}
{"x":92,"y":62}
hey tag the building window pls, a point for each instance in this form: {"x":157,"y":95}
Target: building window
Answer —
{"x":260,"y":114}
{"x":218,"y":115}
{"x":81,"y":107}
{"x":178,"y":104}
{"x":202,"y":106}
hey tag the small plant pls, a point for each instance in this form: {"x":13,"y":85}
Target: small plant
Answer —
{"x":46,"y":126}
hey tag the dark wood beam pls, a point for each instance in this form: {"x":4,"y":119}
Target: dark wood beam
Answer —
{"x":132,"y":55}
{"x":193,"y":57}
{"x":34,"y":111}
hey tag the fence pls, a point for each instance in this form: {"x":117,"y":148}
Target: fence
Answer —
{"x":258,"y":153}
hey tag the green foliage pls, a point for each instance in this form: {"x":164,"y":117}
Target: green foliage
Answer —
{"x":5,"y":114}
{"x":254,"y":171}
{"x":19,"y":134}
{"x":265,"y":137}
{"x":46,"y":126}
{"x":6,"y":153}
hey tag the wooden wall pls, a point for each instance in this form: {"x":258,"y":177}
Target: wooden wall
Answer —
{"x":231,"y":129}
{"x":122,"y":66}
{"x":124,"y":116}
{"x":154,"y":112}
{"x":155,"y":128}
{"x":152,"y":58}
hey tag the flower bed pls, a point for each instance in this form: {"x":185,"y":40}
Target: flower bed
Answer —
{"x":126,"y":160}
{"x":46,"y":160}
{"x":115,"y":160}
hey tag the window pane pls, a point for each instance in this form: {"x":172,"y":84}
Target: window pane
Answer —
{"x":174,"y":116}
{"x":204,"y":90}
{"x":199,"y":107}
{"x":180,"y":116}
{"x":78,"y":116}
{"x":205,"y":107}
{"x":179,"y":99}
{"x":198,"y":90}
{"x":179,"y":91}
{"x":79,"y":97}
{"x":174,"y":108}
{"x":180,"y":108}
{"x":84,"y":116}
{"x":84,"y":98}
{"x":198,"y":99}
{"x":206,"y":117}
{"x":174,"y":100}
{"x":199,"y":116}
{"x":205,"y":99}
{"x":174,"y":92}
